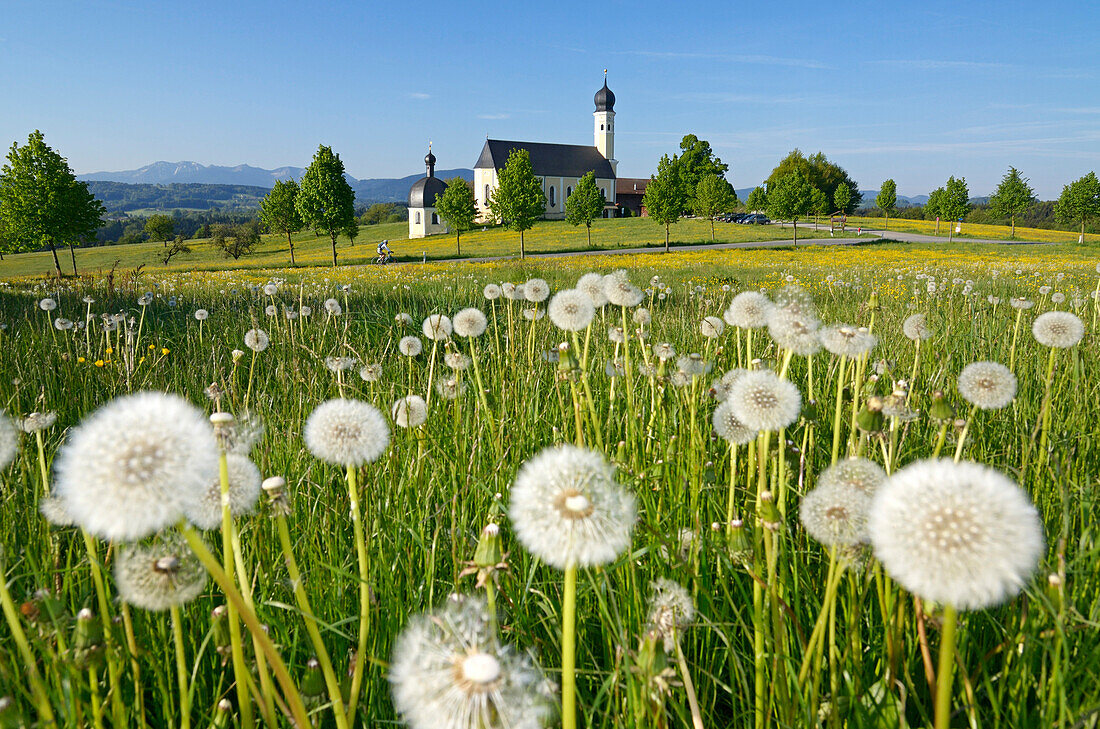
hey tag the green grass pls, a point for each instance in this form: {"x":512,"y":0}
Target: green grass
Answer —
{"x":313,"y":250}
{"x":1032,"y":662}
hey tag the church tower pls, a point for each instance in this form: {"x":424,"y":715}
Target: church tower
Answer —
{"x":605,"y":123}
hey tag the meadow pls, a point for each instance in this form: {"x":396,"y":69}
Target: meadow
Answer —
{"x":973,"y":230}
{"x":738,"y":568}
{"x":314,"y":250}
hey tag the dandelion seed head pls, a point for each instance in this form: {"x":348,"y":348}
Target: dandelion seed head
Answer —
{"x":130,"y":467}
{"x":403,"y":319}
{"x":1058,"y":297}
{"x":437,"y":327}
{"x":36,"y":422}
{"x":346,"y":432}
{"x":47,"y":304}
{"x":371,"y":372}
{"x":916,"y":327}
{"x":62,"y":325}
{"x":456,"y":360}
{"x":449,"y":669}
{"x":339,"y":364}
{"x":332,"y":306}
{"x":410,"y":411}
{"x":721,"y":387}
{"x":987,"y":385}
{"x":202,"y":314}
{"x":470,"y":322}
{"x":847,"y":341}
{"x":1058,"y":329}
{"x":1020,"y":303}
{"x":642,"y":316}
{"x":256,"y":340}
{"x":491,"y":292}
{"x":410,"y":346}
{"x":512,"y":292}
{"x":567,"y":509}
{"x":795,"y":327}
{"x":857,"y":473}
{"x":959,"y":534}
{"x":619,"y":291}
{"x":53,"y":510}
{"x":615,"y":335}
{"x":271,"y":310}
{"x":205,"y":511}
{"x":591,"y":285}
{"x":536,"y":290}
{"x":450,"y":388}
{"x":533,"y":314}
{"x":729,"y":428}
{"x":664,"y":351}
{"x":270,"y":289}
{"x":571,"y":310}
{"x":835,"y":514}
{"x":671,"y":610}
{"x":763,"y":401}
{"x":693,"y":364}
{"x":160,"y":575}
{"x":712,"y":327}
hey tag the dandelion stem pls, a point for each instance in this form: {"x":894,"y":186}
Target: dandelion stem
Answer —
{"x":364,"y":593}
{"x":946,"y":671}
{"x":568,"y":650}
{"x":1048,"y":403}
{"x":962,"y":435}
{"x":117,"y":710}
{"x":240,"y":669}
{"x":689,"y":688}
{"x":181,"y":668}
{"x":41,"y":698}
{"x":225,"y":582}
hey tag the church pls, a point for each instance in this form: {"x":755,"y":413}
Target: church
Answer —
{"x":559,"y":167}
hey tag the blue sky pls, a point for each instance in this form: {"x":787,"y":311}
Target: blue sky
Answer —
{"x":915,"y":91}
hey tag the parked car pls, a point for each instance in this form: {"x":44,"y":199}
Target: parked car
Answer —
{"x":735,"y":217}
{"x":755,"y":219}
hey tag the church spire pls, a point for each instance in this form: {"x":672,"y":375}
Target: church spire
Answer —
{"x":429,"y":161}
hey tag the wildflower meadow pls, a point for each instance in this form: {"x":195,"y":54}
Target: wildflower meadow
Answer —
{"x":828,"y":488}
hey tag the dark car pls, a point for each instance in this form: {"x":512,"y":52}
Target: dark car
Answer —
{"x":755,"y":219}
{"x":735,"y":217}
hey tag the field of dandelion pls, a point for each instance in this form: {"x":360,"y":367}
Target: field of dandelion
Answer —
{"x":723,"y":575}
{"x":311,"y":249}
{"x":974,"y":230}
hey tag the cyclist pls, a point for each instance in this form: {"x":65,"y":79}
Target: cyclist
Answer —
{"x":385,"y":255}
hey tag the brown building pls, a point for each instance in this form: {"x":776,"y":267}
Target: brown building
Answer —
{"x":628,"y":194}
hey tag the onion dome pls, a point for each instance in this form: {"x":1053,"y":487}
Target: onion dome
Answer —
{"x":605,"y":99}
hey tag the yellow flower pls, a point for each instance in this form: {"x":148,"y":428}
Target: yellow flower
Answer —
{"x":141,"y":360}
{"x":164,"y":350}
{"x":99,"y":363}
{"x":110,"y":351}
{"x":152,"y":346}
{"x":79,"y":359}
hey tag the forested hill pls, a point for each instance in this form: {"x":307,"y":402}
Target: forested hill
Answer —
{"x":122,"y":197}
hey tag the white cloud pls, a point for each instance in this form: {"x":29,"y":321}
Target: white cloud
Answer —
{"x":761,"y":60}
{"x":419,"y":95}
{"x":493,"y":116}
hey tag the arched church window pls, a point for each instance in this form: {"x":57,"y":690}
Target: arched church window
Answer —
{"x":601,"y":127}
{"x":551,"y":196}
{"x":418,"y":218}
{"x":568,"y":192}
{"x":435,"y":219}
{"x":486,"y":194}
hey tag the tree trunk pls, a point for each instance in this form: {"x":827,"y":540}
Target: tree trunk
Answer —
{"x":333,"y":235}
{"x":1013,"y":233}
{"x":937,"y":226}
{"x":795,"y":221}
{"x":887,"y":221}
{"x":588,"y":227}
{"x":712,"y":230}
{"x":72,"y":252}
{"x":290,"y":243}
{"x":522,"y":253}
{"x":1082,"y":226}
{"x":56,"y":263}
{"x":458,"y":242}
{"x":950,"y":233}
{"x":666,"y":237}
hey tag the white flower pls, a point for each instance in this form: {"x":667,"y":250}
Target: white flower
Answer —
{"x":591,"y":285}
{"x":450,"y":671}
{"x":332,"y":306}
{"x":410,"y":411}
{"x":470,"y":322}
{"x":533,"y":314}
{"x":403,"y":319}
{"x":671,"y":610}
{"x":763,"y":401}
{"x":347,"y":432}
{"x":571,"y":310}
{"x":568,"y":510}
{"x":132,"y":466}
{"x":410,"y":346}
{"x":47,"y":304}
{"x":491,"y":291}
{"x":729,"y":428}
{"x":793,"y":323}
{"x":664,"y":351}
{"x":9,"y":440}
{"x":456,"y":360}
{"x":271,"y":310}
{"x":857,"y":473}
{"x":748,"y":310}
{"x":437,"y":327}
{"x":159,"y":576}
{"x":619,"y":291}
{"x":712,"y":327}
{"x":205,"y":511}
{"x":256,"y":340}
{"x":304,"y":311}
{"x":511,"y":291}
{"x":956,"y":533}
{"x":1058,"y":329}
{"x":270,"y":289}
{"x":836,"y":514}
{"x":370,"y":373}
{"x":201,"y":314}
{"x":536,"y":290}
{"x":62,"y":325}
{"x":339,"y":364}
{"x":847,"y":341}
{"x":987,"y":385}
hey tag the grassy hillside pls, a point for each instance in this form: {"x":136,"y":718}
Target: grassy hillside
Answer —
{"x":313,"y":250}
{"x":973,"y":230}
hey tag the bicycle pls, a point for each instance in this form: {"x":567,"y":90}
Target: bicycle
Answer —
{"x":383,"y":259}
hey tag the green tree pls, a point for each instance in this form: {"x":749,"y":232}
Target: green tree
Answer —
{"x":1079,"y":201}
{"x":955,"y":203}
{"x":665,"y":198}
{"x":696,"y":161}
{"x":160,"y":227}
{"x":713,"y":196}
{"x":457,"y":208}
{"x":820,"y":173}
{"x":1012,"y":197}
{"x":325,"y":200}
{"x":819,"y":204}
{"x":42,"y":202}
{"x":585,"y":204}
{"x":235,"y":241}
{"x":842,"y":198}
{"x":789,"y":198}
{"x":934,"y":206}
{"x":758,"y":199}
{"x":518,"y":201}
{"x":279,"y":212}
{"x":887,"y":199}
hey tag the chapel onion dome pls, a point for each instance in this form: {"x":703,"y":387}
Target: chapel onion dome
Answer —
{"x":429,"y":160}
{"x":605,"y":100}
{"x":424,"y":192}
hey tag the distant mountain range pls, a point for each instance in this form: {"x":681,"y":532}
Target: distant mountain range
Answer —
{"x":167,"y":173}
